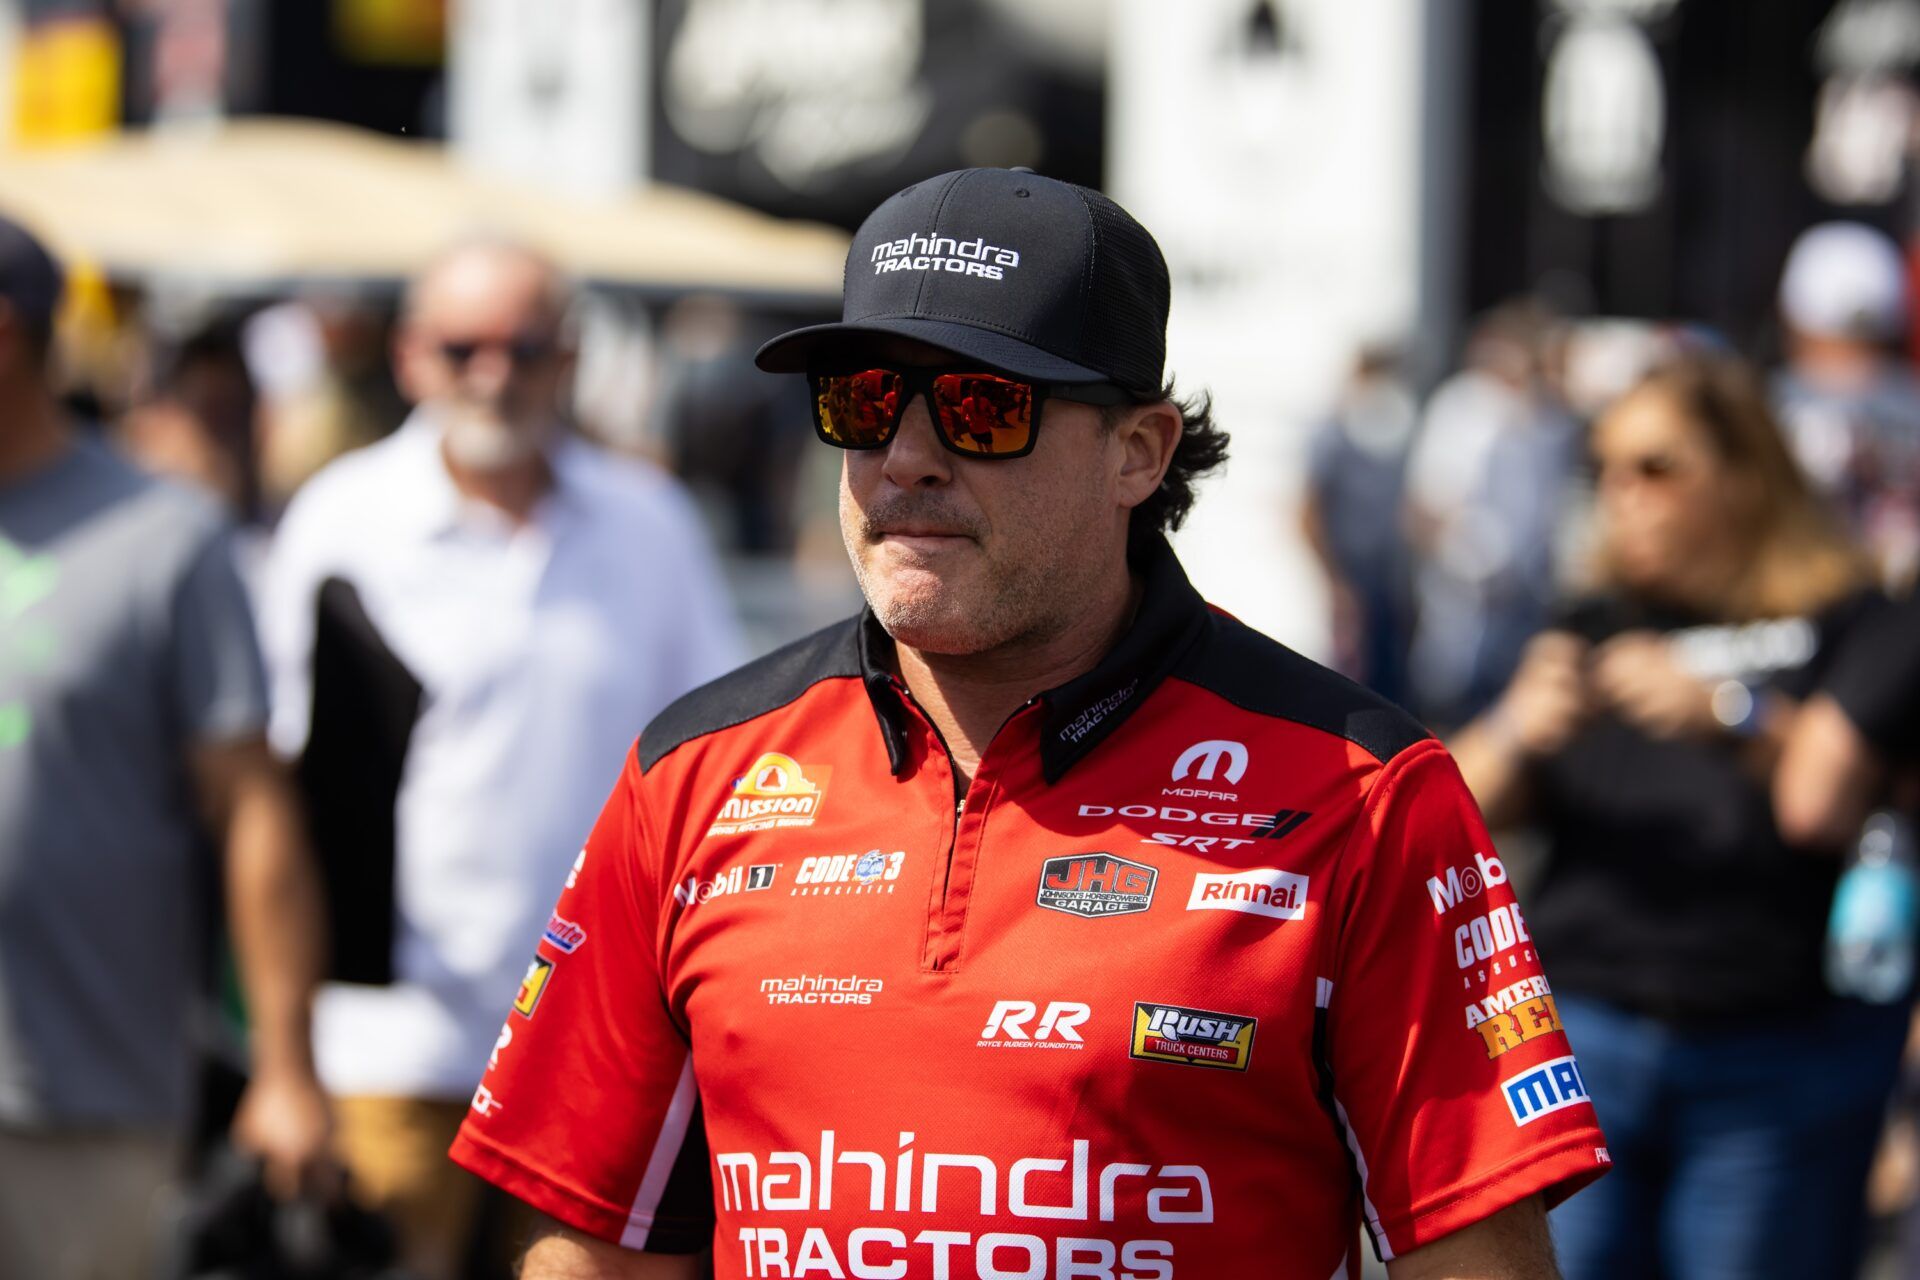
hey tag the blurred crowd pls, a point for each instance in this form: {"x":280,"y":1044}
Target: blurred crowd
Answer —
{"x":1659,"y":598}
{"x":381,"y":639}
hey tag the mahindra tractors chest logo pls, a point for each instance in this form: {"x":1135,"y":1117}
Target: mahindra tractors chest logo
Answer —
{"x":1203,"y":759}
{"x":1096,"y":884}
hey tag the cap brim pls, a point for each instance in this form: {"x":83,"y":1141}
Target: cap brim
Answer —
{"x":791,"y":352}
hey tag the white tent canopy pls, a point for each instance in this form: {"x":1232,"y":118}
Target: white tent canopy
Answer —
{"x":255,"y":201}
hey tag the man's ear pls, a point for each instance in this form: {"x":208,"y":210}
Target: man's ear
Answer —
{"x":412,"y":363}
{"x":1147,"y":437}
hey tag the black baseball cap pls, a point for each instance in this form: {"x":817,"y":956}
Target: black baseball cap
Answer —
{"x":30,"y":280}
{"x":1026,"y":274}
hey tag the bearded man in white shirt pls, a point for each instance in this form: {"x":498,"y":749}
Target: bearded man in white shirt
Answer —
{"x":546,"y":597}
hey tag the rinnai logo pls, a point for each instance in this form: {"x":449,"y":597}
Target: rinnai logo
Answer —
{"x":564,"y":933}
{"x":1198,"y":1037}
{"x":1007,"y":1025}
{"x":485,"y":1103}
{"x":944,"y":253}
{"x":1203,"y":758}
{"x":1264,"y":891}
{"x":1096,"y":884}
{"x":821,"y":989}
{"x":1552,"y":1086}
{"x":579,"y":865}
{"x":1460,"y":884}
{"x":775,"y":792}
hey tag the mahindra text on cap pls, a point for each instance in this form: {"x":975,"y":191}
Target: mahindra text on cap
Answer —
{"x":1026,"y":274}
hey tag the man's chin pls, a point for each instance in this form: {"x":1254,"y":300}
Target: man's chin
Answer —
{"x":932,"y":625}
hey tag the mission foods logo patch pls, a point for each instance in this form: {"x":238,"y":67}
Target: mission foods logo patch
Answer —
{"x":775,"y":792}
{"x":1096,"y":884}
{"x":1199,"y":1037}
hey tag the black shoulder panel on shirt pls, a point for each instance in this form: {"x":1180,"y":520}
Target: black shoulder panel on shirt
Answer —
{"x":763,"y":685}
{"x":1265,"y":677}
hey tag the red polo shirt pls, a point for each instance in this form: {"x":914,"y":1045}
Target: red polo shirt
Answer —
{"x":1213,"y":965}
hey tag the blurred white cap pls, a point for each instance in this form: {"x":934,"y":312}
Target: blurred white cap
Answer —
{"x":1845,"y":280}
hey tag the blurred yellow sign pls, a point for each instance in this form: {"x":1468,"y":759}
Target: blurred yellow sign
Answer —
{"x":394,"y":32}
{"x":66,"y":81}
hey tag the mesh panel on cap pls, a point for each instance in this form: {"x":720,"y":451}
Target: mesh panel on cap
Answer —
{"x":1126,"y":322}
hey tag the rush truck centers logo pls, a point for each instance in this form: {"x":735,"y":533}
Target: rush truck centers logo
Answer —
{"x":1199,"y":1037}
{"x":775,"y":792}
{"x":1096,"y":884}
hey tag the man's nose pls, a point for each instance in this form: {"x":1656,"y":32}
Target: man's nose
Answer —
{"x":915,"y":457}
{"x":488,"y":371}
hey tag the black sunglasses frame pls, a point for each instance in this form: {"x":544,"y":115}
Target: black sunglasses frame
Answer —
{"x":524,"y":351}
{"x":917,"y":380}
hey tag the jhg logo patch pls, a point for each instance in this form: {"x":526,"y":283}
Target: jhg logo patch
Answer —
{"x":1199,"y":1037}
{"x":1264,"y":891}
{"x":1007,"y":1025}
{"x":1096,"y":884}
{"x":1552,"y":1086}
{"x":775,"y":792}
{"x":533,"y":986}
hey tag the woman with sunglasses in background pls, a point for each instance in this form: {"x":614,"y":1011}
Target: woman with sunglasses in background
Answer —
{"x":1740,"y":1098}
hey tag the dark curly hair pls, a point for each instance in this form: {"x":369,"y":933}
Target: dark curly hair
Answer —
{"x":1202,"y":449}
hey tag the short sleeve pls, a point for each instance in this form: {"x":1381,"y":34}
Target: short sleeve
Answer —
{"x":1447,"y":1064}
{"x":588,"y":1110}
{"x":219,"y":691}
{"x":1876,"y":679}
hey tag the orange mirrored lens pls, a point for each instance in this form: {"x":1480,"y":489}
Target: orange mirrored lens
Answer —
{"x":983,"y":414}
{"x":858,"y":410}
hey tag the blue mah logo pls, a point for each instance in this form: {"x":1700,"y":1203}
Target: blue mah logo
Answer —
{"x":1544,"y":1089}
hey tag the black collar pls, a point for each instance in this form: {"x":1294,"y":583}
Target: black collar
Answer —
{"x":1083,"y":711}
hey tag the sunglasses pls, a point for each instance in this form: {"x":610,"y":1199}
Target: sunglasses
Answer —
{"x":523,"y":350}
{"x":1655,"y":468}
{"x":976,"y":414}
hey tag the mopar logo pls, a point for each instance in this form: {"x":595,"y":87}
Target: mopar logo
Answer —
{"x":1203,"y":758}
{"x":1549,"y":1087}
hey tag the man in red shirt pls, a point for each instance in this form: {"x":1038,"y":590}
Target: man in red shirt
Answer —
{"x":1041,"y":922}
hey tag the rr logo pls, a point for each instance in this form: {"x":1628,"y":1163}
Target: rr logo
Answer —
{"x":1208,"y":755}
{"x":1009,"y":1020}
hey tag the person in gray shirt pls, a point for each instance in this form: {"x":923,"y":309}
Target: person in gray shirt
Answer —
{"x":132,"y":711}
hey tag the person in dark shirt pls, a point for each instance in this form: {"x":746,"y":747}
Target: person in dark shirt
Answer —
{"x":1742,"y":1100}
{"x":1859,"y":737}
